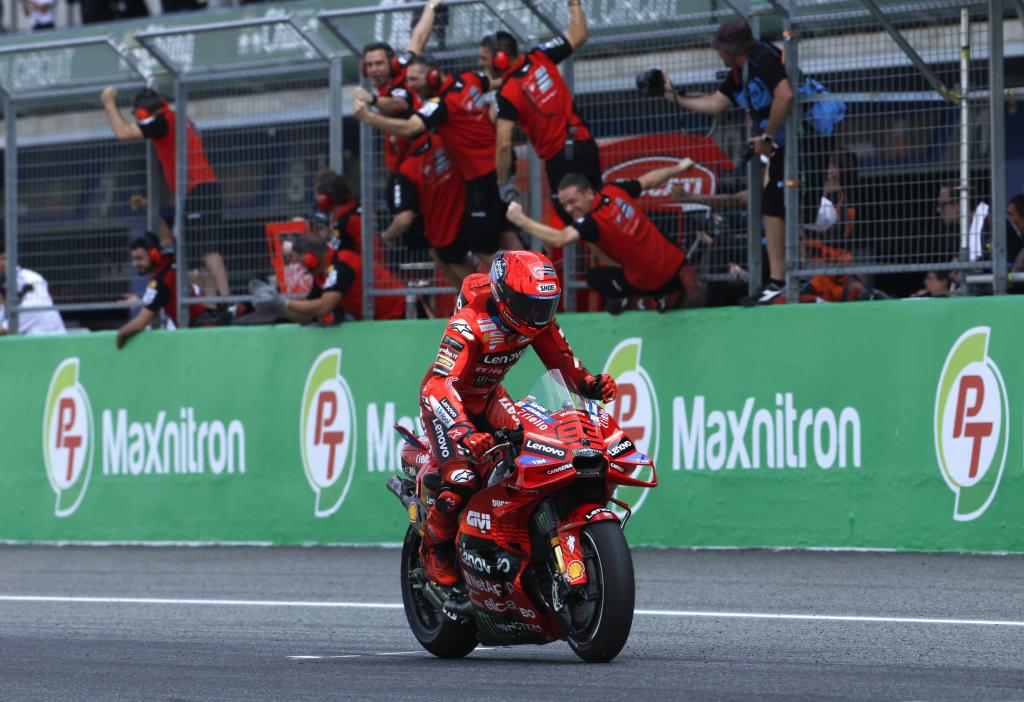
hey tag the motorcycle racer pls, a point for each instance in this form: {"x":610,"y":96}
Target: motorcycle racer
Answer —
{"x":462,"y":400}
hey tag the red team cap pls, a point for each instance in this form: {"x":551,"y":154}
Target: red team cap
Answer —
{"x":525,"y":289}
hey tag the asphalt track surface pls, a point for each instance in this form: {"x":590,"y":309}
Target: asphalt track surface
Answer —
{"x":219,"y":623}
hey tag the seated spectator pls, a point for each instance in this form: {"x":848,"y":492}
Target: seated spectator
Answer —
{"x":161,"y":292}
{"x":344,"y":216}
{"x":936,"y":284}
{"x":979,"y":230}
{"x":40,"y":13}
{"x":337,"y":293}
{"x":33,"y":291}
{"x":649,"y":265}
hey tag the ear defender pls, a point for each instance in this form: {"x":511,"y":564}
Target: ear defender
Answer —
{"x":324,"y":202}
{"x":156,"y":257}
{"x":501,"y":60}
{"x":435,"y":78}
{"x":310,"y":261}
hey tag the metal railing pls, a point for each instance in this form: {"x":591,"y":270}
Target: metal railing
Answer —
{"x":922,"y":82}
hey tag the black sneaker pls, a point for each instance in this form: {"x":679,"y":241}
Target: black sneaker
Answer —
{"x":765,"y":297}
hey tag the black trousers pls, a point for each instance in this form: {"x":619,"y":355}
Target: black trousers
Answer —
{"x":611,"y":281}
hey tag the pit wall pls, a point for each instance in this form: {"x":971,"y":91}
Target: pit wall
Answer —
{"x":891,"y":425}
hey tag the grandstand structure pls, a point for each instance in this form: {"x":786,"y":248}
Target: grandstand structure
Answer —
{"x":924,"y":82}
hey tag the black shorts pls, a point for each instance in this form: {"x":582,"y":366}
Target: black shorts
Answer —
{"x":585,"y":160}
{"x":456,"y":251}
{"x":611,"y":281}
{"x":773,"y":199}
{"x":484,"y":220}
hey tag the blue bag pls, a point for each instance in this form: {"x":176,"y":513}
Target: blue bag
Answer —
{"x":823,"y":116}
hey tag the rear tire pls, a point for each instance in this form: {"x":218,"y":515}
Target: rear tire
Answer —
{"x":610,"y":577}
{"x":435,"y":632}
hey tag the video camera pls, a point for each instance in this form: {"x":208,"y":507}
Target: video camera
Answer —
{"x":651,"y":83}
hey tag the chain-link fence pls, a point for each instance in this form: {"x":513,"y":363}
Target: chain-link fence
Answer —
{"x":910,"y":180}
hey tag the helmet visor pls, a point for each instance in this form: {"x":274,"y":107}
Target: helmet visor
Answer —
{"x":533,"y":310}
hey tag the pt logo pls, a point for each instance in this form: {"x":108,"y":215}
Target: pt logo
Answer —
{"x":972,"y":424}
{"x":67,"y":437}
{"x":635,"y":409}
{"x":328,"y":433}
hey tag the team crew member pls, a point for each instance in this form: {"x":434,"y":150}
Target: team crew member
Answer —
{"x":428,"y":198}
{"x":156,"y":121}
{"x":337,"y":292}
{"x":756,"y":82}
{"x":535,"y":95}
{"x":386,"y":72}
{"x":454,"y":107}
{"x":610,"y":219}
{"x":462,"y":398}
{"x":162,"y":290}
{"x":344,"y":216}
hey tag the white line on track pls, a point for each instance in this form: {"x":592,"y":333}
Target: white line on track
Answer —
{"x":396,"y":605}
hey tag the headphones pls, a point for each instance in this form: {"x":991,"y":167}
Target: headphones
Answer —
{"x":153,"y":251}
{"x":435,"y":78}
{"x":324,"y":203}
{"x":142,"y":114}
{"x":395,"y":64}
{"x":501,"y":60}
{"x":311,"y":261}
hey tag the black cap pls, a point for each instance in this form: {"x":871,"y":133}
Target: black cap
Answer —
{"x":734,"y":37}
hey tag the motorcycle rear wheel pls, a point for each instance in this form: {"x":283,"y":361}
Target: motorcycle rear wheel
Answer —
{"x":608,"y":617}
{"x":435,"y":632}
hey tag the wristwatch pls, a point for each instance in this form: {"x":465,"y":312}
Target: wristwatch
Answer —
{"x":374,"y":100}
{"x":767,"y":138}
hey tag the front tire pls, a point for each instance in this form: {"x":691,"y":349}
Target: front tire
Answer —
{"x":608,"y":617}
{"x":435,"y":632}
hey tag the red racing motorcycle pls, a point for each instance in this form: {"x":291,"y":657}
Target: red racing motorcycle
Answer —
{"x":542,"y":555}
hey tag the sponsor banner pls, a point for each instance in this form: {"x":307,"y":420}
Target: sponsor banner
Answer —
{"x":890,"y":425}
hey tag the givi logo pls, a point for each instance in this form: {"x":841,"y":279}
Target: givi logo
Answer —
{"x":328,"y":433}
{"x":67,"y":437}
{"x":972,"y":424}
{"x":635,"y":409}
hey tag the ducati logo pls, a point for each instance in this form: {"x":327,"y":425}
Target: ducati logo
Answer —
{"x":328,"y":433}
{"x":972,"y":424}
{"x":67,"y":437}
{"x":635,"y":409}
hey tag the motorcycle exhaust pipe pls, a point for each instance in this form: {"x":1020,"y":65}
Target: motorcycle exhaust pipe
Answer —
{"x":444,"y":602}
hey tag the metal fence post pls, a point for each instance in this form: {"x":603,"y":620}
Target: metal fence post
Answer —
{"x":11,"y":210}
{"x":964,"y":196}
{"x":152,"y":190}
{"x":792,"y":168}
{"x":755,"y":189}
{"x":569,"y":252}
{"x":180,"y":195}
{"x":336,"y":117}
{"x":369,"y":219}
{"x":997,"y":152}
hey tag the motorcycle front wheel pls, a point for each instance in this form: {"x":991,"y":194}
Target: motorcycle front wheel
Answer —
{"x":435,"y":632}
{"x":601,"y":623}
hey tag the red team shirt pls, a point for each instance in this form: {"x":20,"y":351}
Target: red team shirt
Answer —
{"x":428,"y":184}
{"x":162,"y":292}
{"x":459,"y":115}
{"x":535,"y":95}
{"x":617,"y":226}
{"x":160,"y":128}
{"x":394,"y":147}
{"x":343,"y":275}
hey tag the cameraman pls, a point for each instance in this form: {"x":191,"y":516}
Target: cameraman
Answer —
{"x":756,"y":82}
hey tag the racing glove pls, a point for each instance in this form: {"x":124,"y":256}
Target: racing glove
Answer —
{"x":601,"y":387}
{"x":266,"y":298}
{"x":476,"y":443}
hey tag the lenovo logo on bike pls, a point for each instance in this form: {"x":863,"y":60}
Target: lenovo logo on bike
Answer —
{"x":328,"y":433}
{"x":620,"y":448}
{"x":972,"y":424}
{"x":479,"y":521}
{"x":545,"y":449}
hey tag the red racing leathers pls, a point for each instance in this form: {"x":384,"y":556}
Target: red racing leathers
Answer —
{"x":462,"y":392}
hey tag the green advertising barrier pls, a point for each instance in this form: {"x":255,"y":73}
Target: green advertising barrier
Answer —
{"x":883,"y":425}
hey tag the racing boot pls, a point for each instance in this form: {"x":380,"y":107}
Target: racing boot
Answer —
{"x":437,"y":552}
